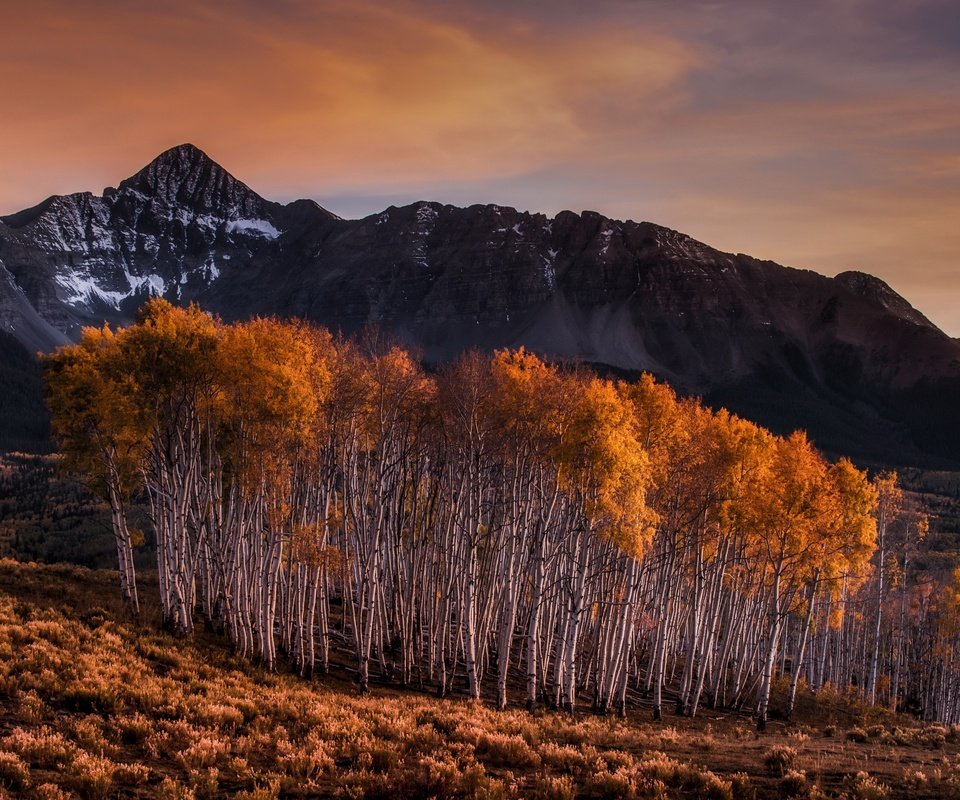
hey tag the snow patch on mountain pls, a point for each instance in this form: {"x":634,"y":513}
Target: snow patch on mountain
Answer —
{"x":253,"y":227}
{"x":81,"y":288}
{"x":426,"y":215}
{"x":549,"y":269}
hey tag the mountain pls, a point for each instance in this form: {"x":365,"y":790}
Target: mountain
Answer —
{"x":845,"y":357}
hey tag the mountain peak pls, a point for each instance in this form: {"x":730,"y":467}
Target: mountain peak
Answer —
{"x":187,"y":150}
{"x":185,"y":175}
{"x":183,"y":158}
{"x":879,"y":291}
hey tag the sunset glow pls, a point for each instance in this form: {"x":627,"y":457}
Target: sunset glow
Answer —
{"x":823,"y":135}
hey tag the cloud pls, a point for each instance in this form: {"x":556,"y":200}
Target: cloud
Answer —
{"x":363,"y":93}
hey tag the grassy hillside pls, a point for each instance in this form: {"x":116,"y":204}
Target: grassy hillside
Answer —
{"x":95,"y":707}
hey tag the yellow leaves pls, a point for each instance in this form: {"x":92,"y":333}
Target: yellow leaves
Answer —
{"x":378,"y":388}
{"x":586,"y":431}
{"x":308,"y":547}
{"x":889,"y":497}
{"x":528,"y":398}
{"x":270,"y":375}
{"x":601,"y":458}
{"x":267,"y":394}
{"x":91,"y":396}
{"x":853,"y":530}
{"x":170,"y":348}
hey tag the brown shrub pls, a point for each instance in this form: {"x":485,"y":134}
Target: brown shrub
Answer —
{"x":562,"y":757}
{"x":50,"y":791}
{"x":501,"y":750}
{"x":554,"y":787}
{"x":794,"y":784}
{"x":932,"y":737}
{"x":14,"y":771}
{"x":863,"y":787}
{"x":857,"y":734}
{"x":205,"y":751}
{"x":43,"y":747}
{"x":308,"y":760}
{"x":780,"y":758}
{"x":90,"y":775}
{"x":605,"y":784}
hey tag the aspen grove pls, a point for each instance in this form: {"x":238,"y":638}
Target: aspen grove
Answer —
{"x":503,"y":527}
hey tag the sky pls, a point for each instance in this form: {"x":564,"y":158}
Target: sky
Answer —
{"x":822,"y":134}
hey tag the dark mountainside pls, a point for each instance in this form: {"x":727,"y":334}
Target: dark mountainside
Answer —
{"x":846,"y":357}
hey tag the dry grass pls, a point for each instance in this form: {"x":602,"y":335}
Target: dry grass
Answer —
{"x":94,"y":707}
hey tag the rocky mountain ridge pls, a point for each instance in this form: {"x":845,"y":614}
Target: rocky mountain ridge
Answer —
{"x":845,"y":357}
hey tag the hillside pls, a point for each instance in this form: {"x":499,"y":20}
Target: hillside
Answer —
{"x":24,"y":422}
{"x":845,"y":358}
{"x":96,"y":707}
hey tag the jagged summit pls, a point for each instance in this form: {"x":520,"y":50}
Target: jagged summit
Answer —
{"x":186,"y":175}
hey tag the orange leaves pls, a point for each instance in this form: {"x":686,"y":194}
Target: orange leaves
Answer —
{"x":309,"y":547}
{"x":377,"y":386}
{"x":603,"y":459}
{"x":270,"y":375}
{"x":529,"y":400}
{"x":91,"y":395}
{"x":170,"y":348}
{"x":854,"y":527}
{"x":266,"y":395}
{"x":586,"y":431}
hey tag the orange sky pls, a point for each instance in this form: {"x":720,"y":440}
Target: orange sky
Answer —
{"x":823,"y":134}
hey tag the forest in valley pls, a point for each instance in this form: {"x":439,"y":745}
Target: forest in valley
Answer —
{"x":517,"y":531}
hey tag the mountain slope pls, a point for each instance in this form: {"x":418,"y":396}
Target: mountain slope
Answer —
{"x":845,"y":357}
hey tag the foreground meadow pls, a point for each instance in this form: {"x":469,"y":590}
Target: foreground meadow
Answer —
{"x":95,"y":707}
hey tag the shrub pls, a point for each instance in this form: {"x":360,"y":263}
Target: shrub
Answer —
{"x":558,"y":787}
{"x":862,"y":787}
{"x":438,"y":776}
{"x":31,"y":707}
{"x":780,"y":758}
{"x":564,"y":758}
{"x":308,"y":760}
{"x":134,"y":728}
{"x":741,"y":786}
{"x":14,"y":771}
{"x":91,"y":776}
{"x":99,"y":698}
{"x":269,"y":790}
{"x":914,"y":777}
{"x":658,"y":770}
{"x":218,"y":715}
{"x":612,"y":785}
{"x":88,"y":732}
{"x":50,"y":791}
{"x":933,"y":737}
{"x":205,"y":783}
{"x":174,"y":790}
{"x":443,"y":724}
{"x":857,"y":734}
{"x":207,"y":751}
{"x":131,"y":774}
{"x":501,"y":750}
{"x":794,"y":784}
{"x":42,"y":747}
